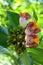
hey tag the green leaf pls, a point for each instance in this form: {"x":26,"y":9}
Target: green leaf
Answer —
{"x":3,"y":36}
{"x":37,"y":54}
{"x":13,"y":18}
{"x":4,"y":50}
{"x":26,"y":59}
{"x":3,"y":30}
{"x":41,"y":41}
{"x":35,"y":14}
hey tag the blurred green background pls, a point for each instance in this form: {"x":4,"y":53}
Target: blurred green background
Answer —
{"x":8,"y":8}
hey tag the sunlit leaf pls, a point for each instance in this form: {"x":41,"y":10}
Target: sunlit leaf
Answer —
{"x":3,"y":36}
{"x":34,"y":14}
{"x":13,"y":18}
{"x":4,"y":50}
{"x":37,"y":54}
{"x":41,"y":41}
{"x":3,"y":30}
{"x":26,"y":59}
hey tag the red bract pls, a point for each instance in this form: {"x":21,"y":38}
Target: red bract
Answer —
{"x":30,"y":25}
{"x":31,"y":37}
{"x":31,"y":40}
{"x":31,"y":45}
{"x":32,"y":28}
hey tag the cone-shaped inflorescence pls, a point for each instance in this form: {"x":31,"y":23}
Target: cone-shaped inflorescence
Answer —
{"x":17,"y":38}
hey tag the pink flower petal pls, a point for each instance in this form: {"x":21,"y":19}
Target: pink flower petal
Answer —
{"x":30,"y":25}
{"x":31,"y":44}
{"x":28,"y":16}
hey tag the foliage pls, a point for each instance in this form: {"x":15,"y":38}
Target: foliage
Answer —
{"x":9,"y":19}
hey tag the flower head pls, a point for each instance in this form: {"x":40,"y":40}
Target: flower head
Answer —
{"x":31,"y":37}
{"x":23,"y":19}
{"x":32,"y":28}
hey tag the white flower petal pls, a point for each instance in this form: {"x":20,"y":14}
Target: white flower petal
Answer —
{"x":23,"y":22}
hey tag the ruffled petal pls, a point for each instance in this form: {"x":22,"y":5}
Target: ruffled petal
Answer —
{"x":32,"y":28}
{"x":31,"y":40}
{"x":31,"y":45}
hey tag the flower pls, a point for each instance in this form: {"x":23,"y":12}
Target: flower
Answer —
{"x":31,"y":37}
{"x":23,"y":19}
{"x":32,"y":40}
{"x":32,"y":28}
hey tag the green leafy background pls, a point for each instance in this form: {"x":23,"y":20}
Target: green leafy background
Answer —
{"x":9,"y":18}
